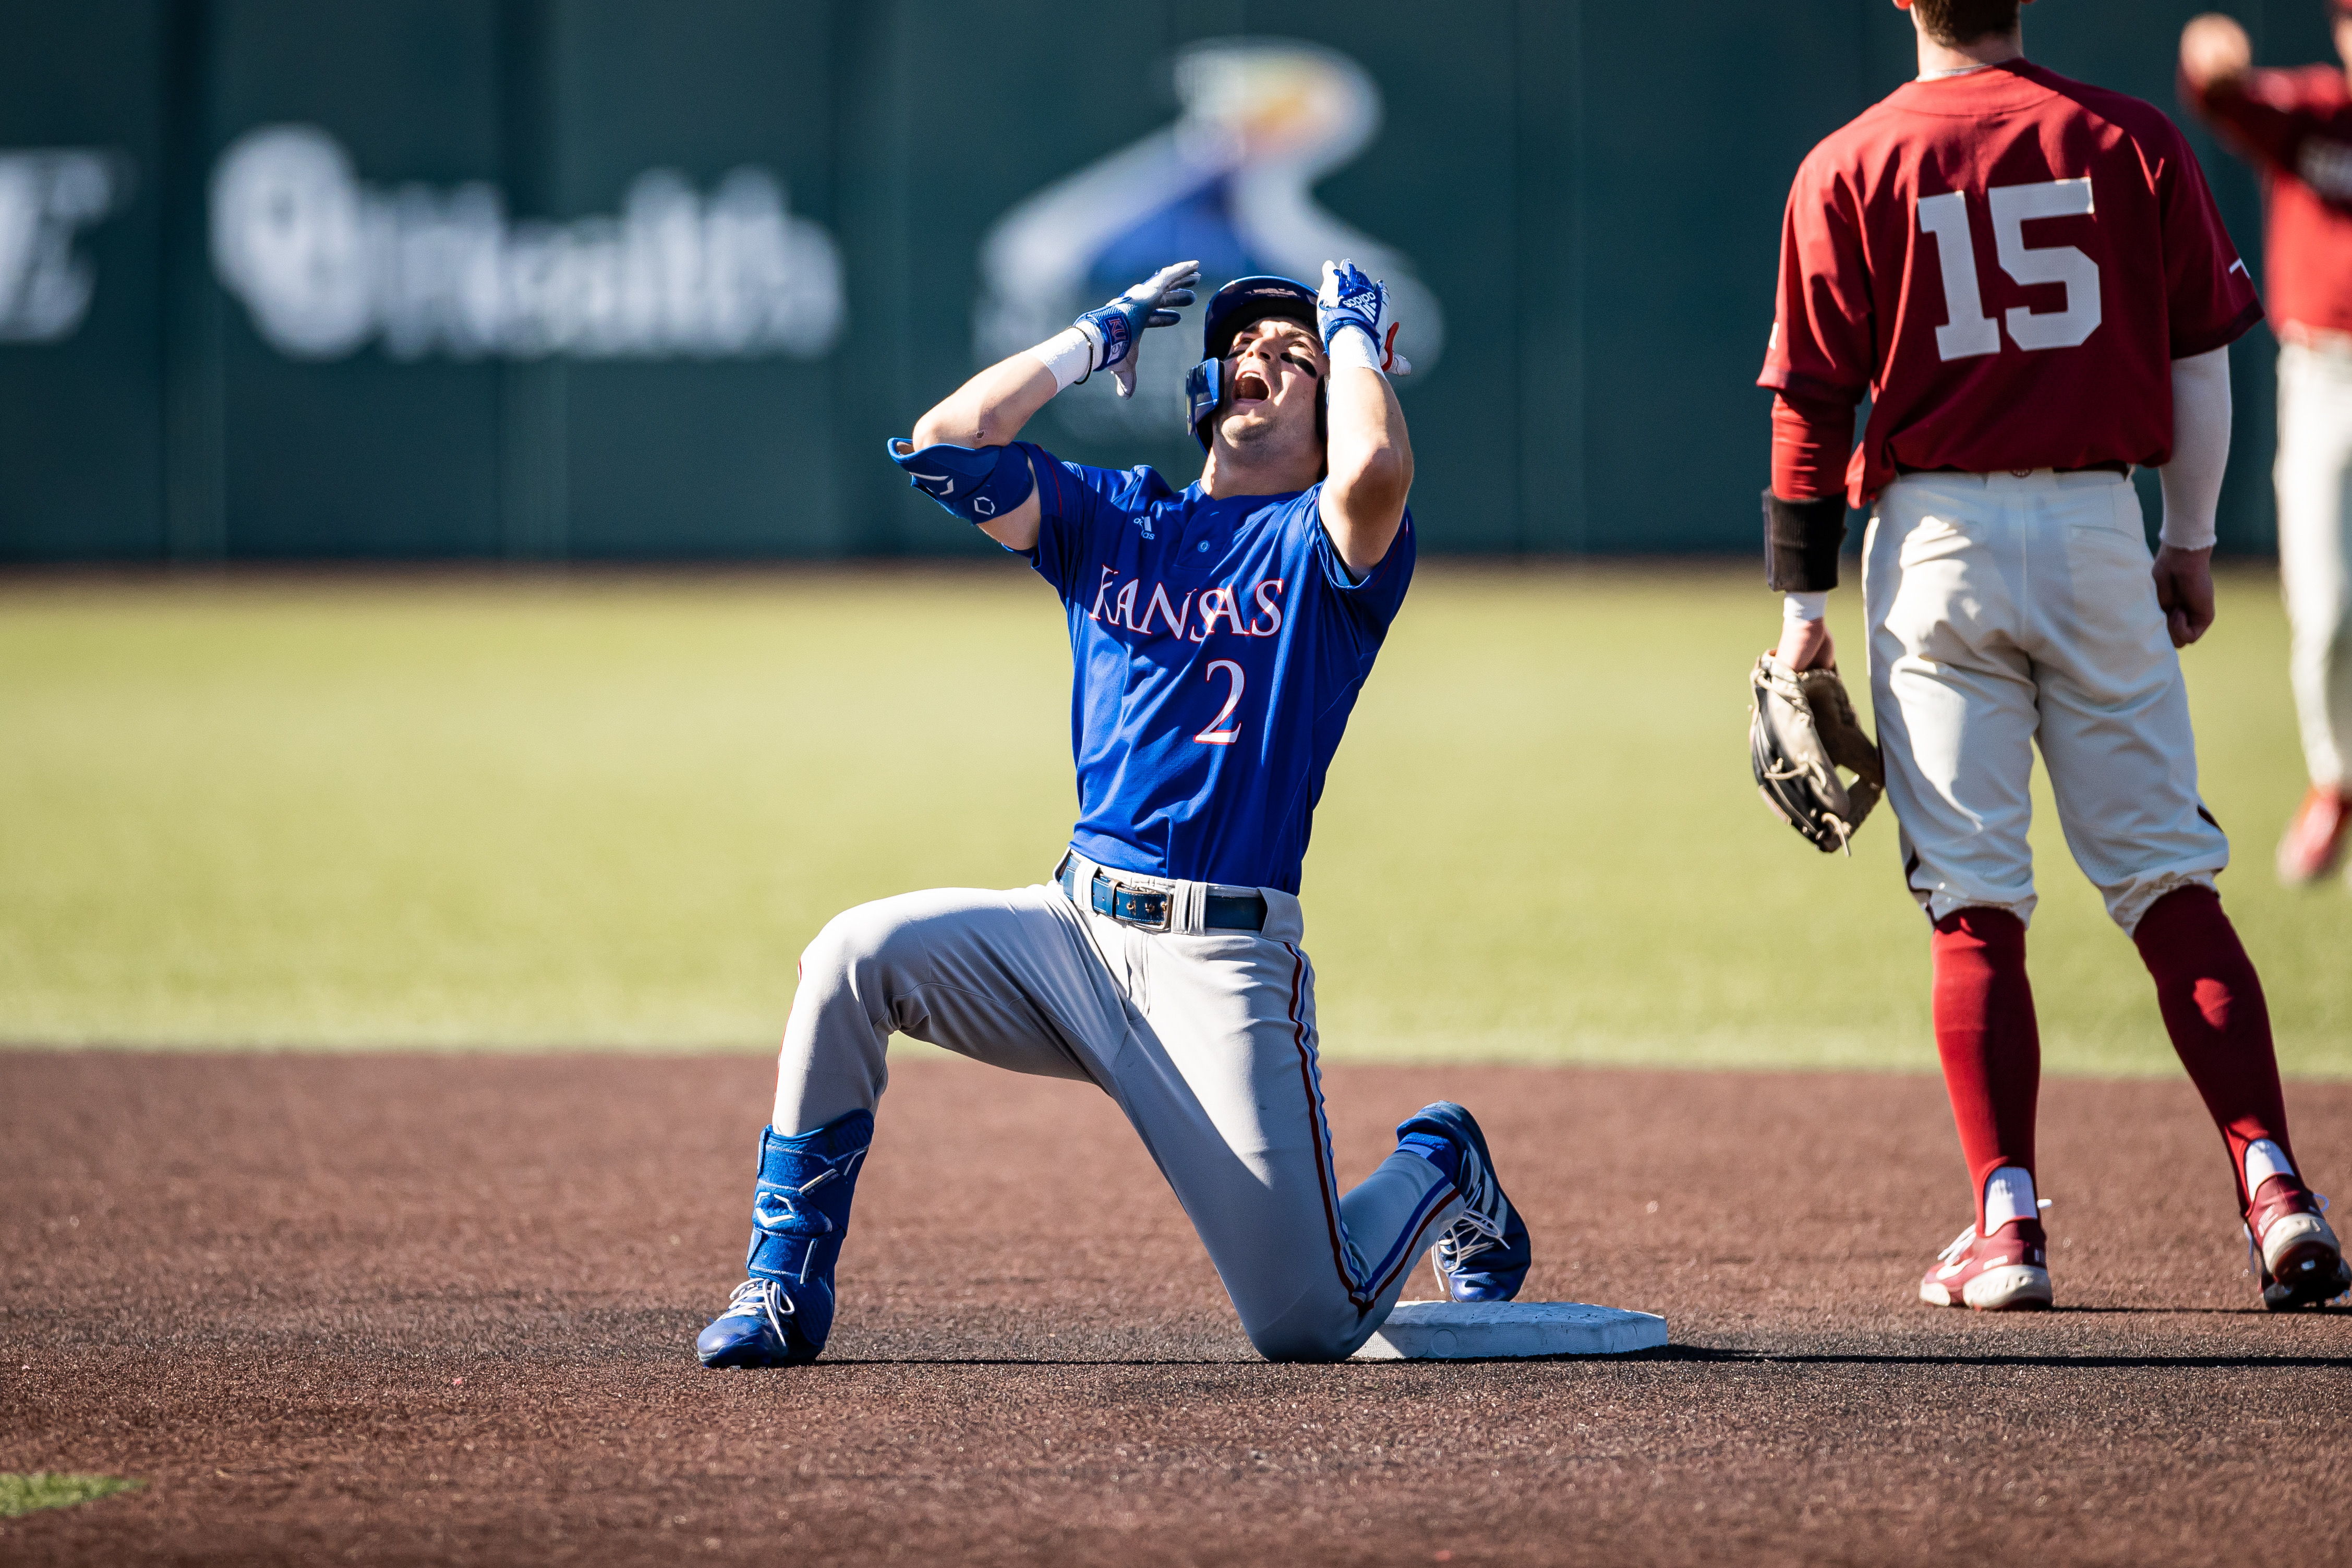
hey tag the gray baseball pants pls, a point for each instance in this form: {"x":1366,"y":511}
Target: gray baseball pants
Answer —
{"x":1204,"y":1038}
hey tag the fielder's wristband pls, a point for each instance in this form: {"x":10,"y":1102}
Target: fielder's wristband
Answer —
{"x":1352,"y":345}
{"x":1800,"y":542}
{"x":1069,"y":355}
{"x":974,"y":483}
{"x":1812,"y":606}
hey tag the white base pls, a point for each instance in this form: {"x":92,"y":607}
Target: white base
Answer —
{"x":1470,"y":1331}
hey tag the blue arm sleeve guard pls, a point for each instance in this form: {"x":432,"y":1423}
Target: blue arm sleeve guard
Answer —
{"x":974,"y":483}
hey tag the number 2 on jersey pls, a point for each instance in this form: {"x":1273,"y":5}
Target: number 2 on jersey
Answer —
{"x":1216,"y":734}
{"x":1967,"y":330}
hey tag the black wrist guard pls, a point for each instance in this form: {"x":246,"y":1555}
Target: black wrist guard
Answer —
{"x":1800,"y":542}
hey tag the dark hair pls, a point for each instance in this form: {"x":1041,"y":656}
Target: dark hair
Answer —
{"x":1956,"y":22}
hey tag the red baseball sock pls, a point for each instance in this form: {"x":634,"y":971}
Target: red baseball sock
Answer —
{"x":1986,"y":1035}
{"x":2213,"y":1009}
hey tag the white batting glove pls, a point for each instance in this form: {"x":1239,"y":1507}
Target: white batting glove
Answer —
{"x":1115,"y":332}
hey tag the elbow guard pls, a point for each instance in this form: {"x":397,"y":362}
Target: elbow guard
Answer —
{"x":974,"y":483}
{"x":1801,"y":539}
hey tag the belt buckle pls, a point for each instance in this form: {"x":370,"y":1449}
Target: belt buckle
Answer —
{"x":1129,"y":905}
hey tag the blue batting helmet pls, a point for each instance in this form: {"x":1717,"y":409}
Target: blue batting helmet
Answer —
{"x":1238,"y":304}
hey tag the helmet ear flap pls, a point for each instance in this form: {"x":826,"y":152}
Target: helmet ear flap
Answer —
{"x":1323,"y":423}
{"x":1204,"y":388}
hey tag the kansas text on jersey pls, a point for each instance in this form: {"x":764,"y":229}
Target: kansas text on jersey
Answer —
{"x":1218,"y":645}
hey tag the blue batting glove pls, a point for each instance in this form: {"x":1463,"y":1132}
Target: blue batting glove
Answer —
{"x":1116,"y":330}
{"x":1350,"y":299}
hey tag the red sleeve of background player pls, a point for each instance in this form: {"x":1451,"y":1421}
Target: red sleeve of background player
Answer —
{"x":1812,"y":445}
{"x":2254,"y":113}
{"x":2208,"y":292}
{"x":1823,"y":349}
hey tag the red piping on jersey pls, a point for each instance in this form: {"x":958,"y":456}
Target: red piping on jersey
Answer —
{"x":1056,"y":476}
{"x":1321,"y":1132}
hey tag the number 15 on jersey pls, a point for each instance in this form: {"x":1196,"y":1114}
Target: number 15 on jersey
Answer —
{"x":1967,"y":330}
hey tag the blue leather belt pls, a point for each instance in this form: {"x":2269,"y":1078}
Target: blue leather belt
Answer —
{"x":1151,"y":907}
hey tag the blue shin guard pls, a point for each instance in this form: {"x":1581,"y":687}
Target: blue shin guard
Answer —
{"x":780,"y":1315}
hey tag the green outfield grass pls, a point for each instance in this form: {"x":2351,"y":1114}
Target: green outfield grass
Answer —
{"x":23,"y":1494}
{"x":609,"y":811}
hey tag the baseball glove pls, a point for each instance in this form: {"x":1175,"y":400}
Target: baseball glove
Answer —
{"x":1801,"y":731}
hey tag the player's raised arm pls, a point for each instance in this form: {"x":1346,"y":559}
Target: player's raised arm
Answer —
{"x":1368,"y":452}
{"x":956,"y":454}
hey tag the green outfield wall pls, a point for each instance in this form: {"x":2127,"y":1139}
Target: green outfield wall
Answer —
{"x":608,"y":279}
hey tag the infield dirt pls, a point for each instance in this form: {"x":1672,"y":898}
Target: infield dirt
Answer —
{"x":399,"y":1310}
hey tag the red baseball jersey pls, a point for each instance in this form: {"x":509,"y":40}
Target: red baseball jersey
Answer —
{"x":2297,"y":126}
{"x":2006,"y":262}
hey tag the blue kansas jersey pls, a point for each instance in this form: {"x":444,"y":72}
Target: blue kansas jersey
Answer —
{"x":1218,"y":648}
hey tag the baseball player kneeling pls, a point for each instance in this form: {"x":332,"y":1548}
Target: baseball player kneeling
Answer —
{"x":2028,"y":278}
{"x":1220,"y":635}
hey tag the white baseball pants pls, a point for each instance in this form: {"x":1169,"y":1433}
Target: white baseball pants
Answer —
{"x":2007,"y":610}
{"x":1206,"y":1040}
{"x":2314,"y":475}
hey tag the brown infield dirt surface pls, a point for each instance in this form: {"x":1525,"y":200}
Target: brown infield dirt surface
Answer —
{"x":391,"y":1309}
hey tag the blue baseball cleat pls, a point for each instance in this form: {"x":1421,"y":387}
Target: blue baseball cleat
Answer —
{"x":764,"y":1326}
{"x":800,"y":1215}
{"x":1483,"y":1256}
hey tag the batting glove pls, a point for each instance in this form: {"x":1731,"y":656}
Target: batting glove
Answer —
{"x":1115,"y":332}
{"x":1350,"y":302}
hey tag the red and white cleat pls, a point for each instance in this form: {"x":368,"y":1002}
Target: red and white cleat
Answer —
{"x":2315,"y":837}
{"x":2007,"y":1271}
{"x":2291,"y":1247}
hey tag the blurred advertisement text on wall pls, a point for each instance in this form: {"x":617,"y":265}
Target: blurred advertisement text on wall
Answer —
{"x":47,"y":198}
{"x":325,"y":263}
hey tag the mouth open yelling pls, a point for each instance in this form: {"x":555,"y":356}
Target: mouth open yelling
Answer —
{"x":1250,"y":386}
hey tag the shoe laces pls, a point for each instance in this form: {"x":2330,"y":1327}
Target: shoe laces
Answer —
{"x":1484,"y":1206}
{"x":1465,"y":1238}
{"x":761,"y":1299}
{"x":1470,"y":1236}
{"x":1968,"y":1239}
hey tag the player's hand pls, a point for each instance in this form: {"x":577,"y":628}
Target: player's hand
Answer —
{"x":2213,"y":48}
{"x":2184,"y":588}
{"x":1117,"y":330}
{"x":1351,"y":299}
{"x":1804,"y":644}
